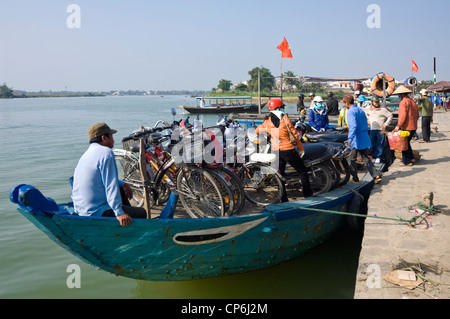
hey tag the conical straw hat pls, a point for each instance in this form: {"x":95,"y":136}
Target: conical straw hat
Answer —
{"x":402,"y":89}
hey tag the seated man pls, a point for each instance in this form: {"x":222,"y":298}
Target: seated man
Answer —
{"x":96,"y":190}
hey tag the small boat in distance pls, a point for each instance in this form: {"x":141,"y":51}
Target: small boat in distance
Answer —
{"x":233,"y":104}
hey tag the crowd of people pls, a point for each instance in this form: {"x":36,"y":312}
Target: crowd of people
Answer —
{"x":366,"y":121}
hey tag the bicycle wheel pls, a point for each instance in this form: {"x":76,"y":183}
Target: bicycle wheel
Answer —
{"x":226,"y":189}
{"x":129,"y":172}
{"x":262,"y":185}
{"x":320,"y":178}
{"x":199,"y":193}
{"x":165,"y":181}
{"x":237,"y":188}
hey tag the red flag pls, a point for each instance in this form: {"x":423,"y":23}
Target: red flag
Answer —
{"x":414,"y":66}
{"x":285,"y":49}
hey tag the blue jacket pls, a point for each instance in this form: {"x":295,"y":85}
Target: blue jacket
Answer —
{"x":318,"y":120}
{"x":358,"y":130}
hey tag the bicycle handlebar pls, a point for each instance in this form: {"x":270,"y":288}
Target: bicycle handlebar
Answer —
{"x":137,"y":135}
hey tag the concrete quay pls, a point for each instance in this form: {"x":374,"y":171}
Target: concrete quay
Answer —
{"x":392,"y":245}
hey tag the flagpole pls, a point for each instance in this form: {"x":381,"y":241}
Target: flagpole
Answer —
{"x":281,"y":77}
{"x":259,"y":91}
{"x":435,"y":81}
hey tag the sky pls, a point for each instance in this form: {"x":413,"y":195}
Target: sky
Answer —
{"x":193,"y":44}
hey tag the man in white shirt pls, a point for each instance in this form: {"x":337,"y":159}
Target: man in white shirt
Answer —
{"x":378,"y":118}
{"x":96,"y":186}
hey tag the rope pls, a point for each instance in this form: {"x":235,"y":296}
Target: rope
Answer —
{"x":353,"y":214}
{"x":412,"y":222}
{"x":424,"y":207}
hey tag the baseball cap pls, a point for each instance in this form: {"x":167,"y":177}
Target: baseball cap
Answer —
{"x":99,"y":129}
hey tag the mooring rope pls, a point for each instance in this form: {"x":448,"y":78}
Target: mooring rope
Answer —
{"x":412,"y":222}
{"x":424,"y":207}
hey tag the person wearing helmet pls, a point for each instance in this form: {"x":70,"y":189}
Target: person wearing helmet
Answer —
{"x":277,"y":125}
{"x":317,"y":117}
{"x":360,"y":98}
{"x":427,"y":115}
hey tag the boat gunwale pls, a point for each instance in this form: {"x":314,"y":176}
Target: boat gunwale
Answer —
{"x":275,"y":211}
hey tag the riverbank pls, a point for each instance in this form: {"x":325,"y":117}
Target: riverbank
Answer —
{"x":46,"y":95}
{"x":286,"y":99}
{"x":391,"y":245}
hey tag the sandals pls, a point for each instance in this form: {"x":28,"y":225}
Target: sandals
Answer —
{"x":410,"y":164}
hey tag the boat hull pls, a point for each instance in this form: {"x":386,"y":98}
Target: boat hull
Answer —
{"x":185,"y":249}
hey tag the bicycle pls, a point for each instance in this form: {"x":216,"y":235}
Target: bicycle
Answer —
{"x":160,"y":172}
{"x":161,"y":181}
{"x":197,"y":188}
{"x":225,"y":179}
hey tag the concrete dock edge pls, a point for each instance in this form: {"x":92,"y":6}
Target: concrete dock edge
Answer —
{"x":389,"y":245}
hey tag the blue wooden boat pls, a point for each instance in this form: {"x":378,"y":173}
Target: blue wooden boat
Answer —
{"x":217,"y":105}
{"x":168,"y":248}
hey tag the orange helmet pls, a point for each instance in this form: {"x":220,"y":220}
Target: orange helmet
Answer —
{"x":275,"y":104}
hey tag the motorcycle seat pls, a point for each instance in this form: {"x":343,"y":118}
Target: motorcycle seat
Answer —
{"x":263,"y":157}
{"x":319,"y":137}
{"x":314,"y":150}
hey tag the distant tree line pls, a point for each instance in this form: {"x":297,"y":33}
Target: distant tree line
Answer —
{"x":6,"y":92}
{"x":291,"y":83}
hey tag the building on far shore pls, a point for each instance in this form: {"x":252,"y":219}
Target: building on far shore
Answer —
{"x":345,"y":86}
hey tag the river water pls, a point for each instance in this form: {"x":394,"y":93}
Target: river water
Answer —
{"x":41,"y":141}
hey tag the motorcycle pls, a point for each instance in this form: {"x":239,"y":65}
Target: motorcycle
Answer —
{"x":315,"y":158}
{"x":334,"y":140}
